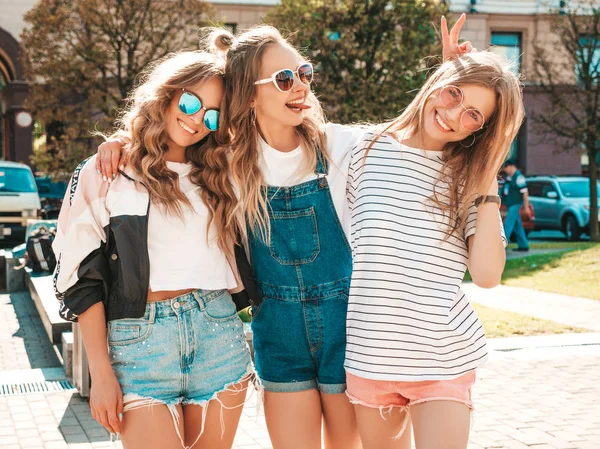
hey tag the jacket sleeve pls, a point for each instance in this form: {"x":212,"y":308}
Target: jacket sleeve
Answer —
{"x":82,"y":273}
{"x":250,"y":294}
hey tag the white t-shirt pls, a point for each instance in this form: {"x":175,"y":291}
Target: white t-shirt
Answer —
{"x":284,"y":169}
{"x":182,"y":255}
{"x":408,"y":319}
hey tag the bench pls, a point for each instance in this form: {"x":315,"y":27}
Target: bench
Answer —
{"x":41,"y":288}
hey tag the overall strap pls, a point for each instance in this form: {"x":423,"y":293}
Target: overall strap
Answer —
{"x":322,"y":165}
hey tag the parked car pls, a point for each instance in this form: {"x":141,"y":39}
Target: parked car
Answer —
{"x":51,"y":196}
{"x":561,"y":203}
{"x":19,"y":200}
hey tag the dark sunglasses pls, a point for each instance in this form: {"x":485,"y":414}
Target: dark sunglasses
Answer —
{"x":284,"y":79}
{"x":189,"y":104}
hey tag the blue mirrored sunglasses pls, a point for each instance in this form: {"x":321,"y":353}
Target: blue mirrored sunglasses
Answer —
{"x":189,"y":104}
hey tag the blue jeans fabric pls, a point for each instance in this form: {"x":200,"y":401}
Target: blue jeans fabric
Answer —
{"x":303,"y":275}
{"x":513,"y":222}
{"x":184,"y":350}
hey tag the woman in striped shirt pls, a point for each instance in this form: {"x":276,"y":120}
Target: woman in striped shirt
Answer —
{"x":423,"y":194}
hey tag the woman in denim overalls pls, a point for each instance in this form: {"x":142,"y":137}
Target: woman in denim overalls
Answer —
{"x":303,"y":276}
{"x":291,"y":171}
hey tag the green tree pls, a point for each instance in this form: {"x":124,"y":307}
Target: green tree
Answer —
{"x":368,"y":54}
{"x":82,"y":58}
{"x":569,"y":88}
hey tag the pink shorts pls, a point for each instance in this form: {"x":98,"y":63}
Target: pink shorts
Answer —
{"x":387,"y":394}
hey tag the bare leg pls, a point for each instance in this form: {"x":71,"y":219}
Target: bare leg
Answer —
{"x":339,"y":422}
{"x":441,"y":425}
{"x":378,"y":433}
{"x":294,"y":419}
{"x":217,"y":434}
{"x":151,"y":427}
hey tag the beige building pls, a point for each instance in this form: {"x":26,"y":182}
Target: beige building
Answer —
{"x":511,"y":26}
{"x":240,"y":15}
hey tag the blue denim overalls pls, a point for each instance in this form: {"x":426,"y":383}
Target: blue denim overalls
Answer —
{"x":299,"y":328}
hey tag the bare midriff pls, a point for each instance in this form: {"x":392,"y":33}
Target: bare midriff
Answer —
{"x":167,"y":294}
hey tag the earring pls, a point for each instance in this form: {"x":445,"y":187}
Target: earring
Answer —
{"x":468,"y":146}
{"x":253,"y":117}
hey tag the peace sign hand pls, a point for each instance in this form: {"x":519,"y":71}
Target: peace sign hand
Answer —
{"x":450,"y":47}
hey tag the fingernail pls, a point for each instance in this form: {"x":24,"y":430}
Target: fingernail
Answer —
{"x":98,"y":171}
{"x":109,"y":180}
{"x":114,"y":175}
{"x":122,"y":167}
{"x":121,"y":416}
{"x":104,"y":178}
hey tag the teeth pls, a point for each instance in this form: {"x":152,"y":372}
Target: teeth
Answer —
{"x":185,"y":127}
{"x":300,"y":101}
{"x":442,"y":124}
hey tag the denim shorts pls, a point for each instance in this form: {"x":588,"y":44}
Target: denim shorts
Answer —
{"x":183,"y":350}
{"x":299,"y":342}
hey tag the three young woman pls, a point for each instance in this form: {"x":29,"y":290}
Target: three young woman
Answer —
{"x":149,"y":254}
{"x":290,"y":173}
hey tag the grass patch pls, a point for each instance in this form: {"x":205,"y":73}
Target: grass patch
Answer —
{"x":502,"y":323}
{"x":570,"y":246}
{"x":574,"y":271}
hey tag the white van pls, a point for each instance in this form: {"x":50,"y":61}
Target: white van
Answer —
{"x":19,"y":200}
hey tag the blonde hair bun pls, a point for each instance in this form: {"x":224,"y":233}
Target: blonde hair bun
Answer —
{"x":219,"y":41}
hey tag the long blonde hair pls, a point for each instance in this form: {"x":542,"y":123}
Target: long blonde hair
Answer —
{"x":468,"y":170}
{"x":239,"y":129}
{"x":142,"y":126}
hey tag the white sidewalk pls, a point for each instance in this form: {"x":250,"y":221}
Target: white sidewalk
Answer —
{"x":570,"y":310}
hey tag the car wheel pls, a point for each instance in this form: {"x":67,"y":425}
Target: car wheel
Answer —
{"x":571,"y":229}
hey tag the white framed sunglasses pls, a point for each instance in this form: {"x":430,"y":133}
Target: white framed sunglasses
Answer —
{"x":284,"y":79}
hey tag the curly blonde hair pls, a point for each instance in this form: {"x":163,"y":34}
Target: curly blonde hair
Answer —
{"x":142,"y":127}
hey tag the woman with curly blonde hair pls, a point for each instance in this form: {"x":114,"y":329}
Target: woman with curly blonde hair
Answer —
{"x":176,"y":367}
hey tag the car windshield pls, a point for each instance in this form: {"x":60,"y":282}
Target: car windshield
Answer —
{"x":18,"y":180}
{"x":579,"y":188}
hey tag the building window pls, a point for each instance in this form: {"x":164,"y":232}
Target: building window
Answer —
{"x":509,"y":46}
{"x":588,"y":55}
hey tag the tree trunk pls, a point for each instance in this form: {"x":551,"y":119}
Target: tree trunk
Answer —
{"x":592,"y":153}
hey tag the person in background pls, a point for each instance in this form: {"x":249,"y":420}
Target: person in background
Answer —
{"x":515,"y":195}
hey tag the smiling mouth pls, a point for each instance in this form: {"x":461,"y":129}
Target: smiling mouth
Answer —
{"x":186,"y":128}
{"x":297,"y":105}
{"x":440,"y":122}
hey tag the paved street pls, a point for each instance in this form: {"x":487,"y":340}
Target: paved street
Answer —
{"x":537,"y":392}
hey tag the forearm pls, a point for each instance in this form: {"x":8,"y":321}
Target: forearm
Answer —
{"x":93,"y":329}
{"x":486,"y":248}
